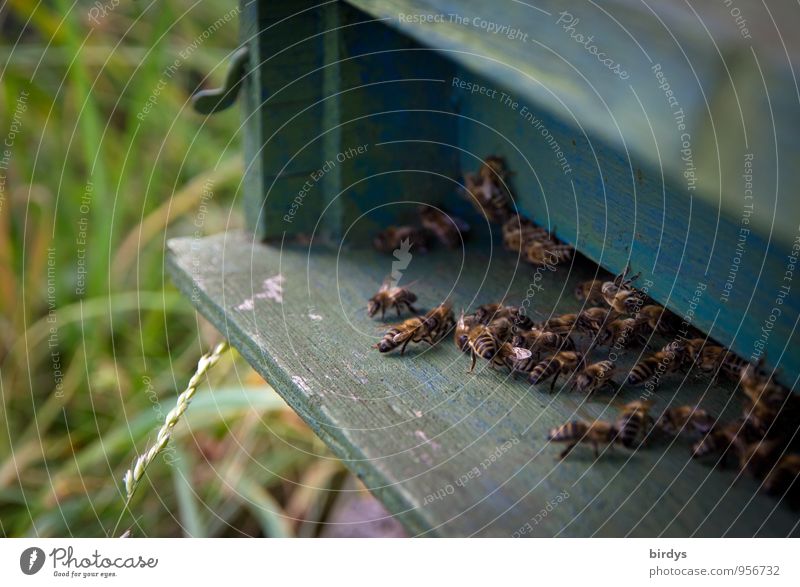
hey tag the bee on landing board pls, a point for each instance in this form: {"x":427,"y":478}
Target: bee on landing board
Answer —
{"x":591,"y":292}
{"x":518,"y":231}
{"x":621,"y":332}
{"x":481,"y":343}
{"x":448,"y":230}
{"x":400,"y":238}
{"x":770,"y":408}
{"x":439,"y":321}
{"x":634,"y":423}
{"x":429,"y":328}
{"x":595,"y":377}
{"x":391,"y":297}
{"x":688,"y":419}
{"x":582,"y":431}
{"x":592,"y":321}
{"x":723,"y":441}
{"x":502,"y":329}
{"x":547,"y":253}
{"x":621,"y":296}
{"x":489,"y":190}
{"x":400,"y":335}
{"x":668,"y":360}
{"x":488,"y":313}
{"x":783,"y":480}
{"x":563,"y":324}
{"x":463,"y":326}
{"x":657,"y":319}
{"x":561,"y":363}
{"x":758,"y":458}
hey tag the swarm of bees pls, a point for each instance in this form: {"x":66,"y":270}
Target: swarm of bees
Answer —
{"x":615,"y":316}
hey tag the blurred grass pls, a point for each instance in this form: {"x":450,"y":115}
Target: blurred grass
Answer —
{"x":86,"y":373}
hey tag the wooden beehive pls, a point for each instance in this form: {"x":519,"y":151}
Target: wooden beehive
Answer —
{"x":674,"y":156}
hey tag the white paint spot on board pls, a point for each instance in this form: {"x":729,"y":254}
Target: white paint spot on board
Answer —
{"x":272,"y":289}
{"x":316,"y":317}
{"x":424,"y":438}
{"x":301,"y":383}
{"x":246,"y":305}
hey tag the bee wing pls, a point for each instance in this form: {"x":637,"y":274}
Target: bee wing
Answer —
{"x":520,"y":354}
{"x":410,"y":284}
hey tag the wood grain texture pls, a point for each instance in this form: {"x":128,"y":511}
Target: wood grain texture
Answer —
{"x":416,"y":427}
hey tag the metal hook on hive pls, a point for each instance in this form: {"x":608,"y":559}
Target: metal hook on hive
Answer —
{"x":218,"y":99}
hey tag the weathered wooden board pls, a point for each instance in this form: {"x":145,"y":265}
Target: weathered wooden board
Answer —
{"x":447,"y":452}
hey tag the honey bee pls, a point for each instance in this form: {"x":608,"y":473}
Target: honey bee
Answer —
{"x":758,"y":458}
{"x":693,"y":347}
{"x":577,"y":431}
{"x":391,"y":297}
{"x":488,"y":313}
{"x":481,"y":343}
{"x":657,"y":318}
{"x":770,"y":408}
{"x":501,"y":328}
{"x":547,"y":253}
{"x":706,"y":358}
{"x":439,"y":321}
{"x":489,"y":189}
{"x":561,"y":363}
{"x":537,"y":340}
{"x":722,"y":440}
{"x":449,"y":230}
{"x":622,"y":332}
{"x":686,"y":418}
{"x":595,"y":377}
{"x":411,"y":330}
{"x":592,"y":320}
{"x":732,"y":365}
{"x":590,"y":292}
{"x":399,"y":237}
{"x":621,"y":296}
{"x":429,"y":328}
{"x":518,"y":231}
{"x":494,"y":168}
{"x":783,"y":479}
{"x":634,"y":423}
{"x":667,"y":360}
{"x":518,"y":317}
{"x":563,"y":324}
{"x":463,"y":326}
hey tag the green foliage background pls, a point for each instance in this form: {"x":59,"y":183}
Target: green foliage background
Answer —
{"x":95,"y":343}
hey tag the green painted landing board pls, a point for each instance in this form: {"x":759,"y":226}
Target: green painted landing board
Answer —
{"x":450,"y":453}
